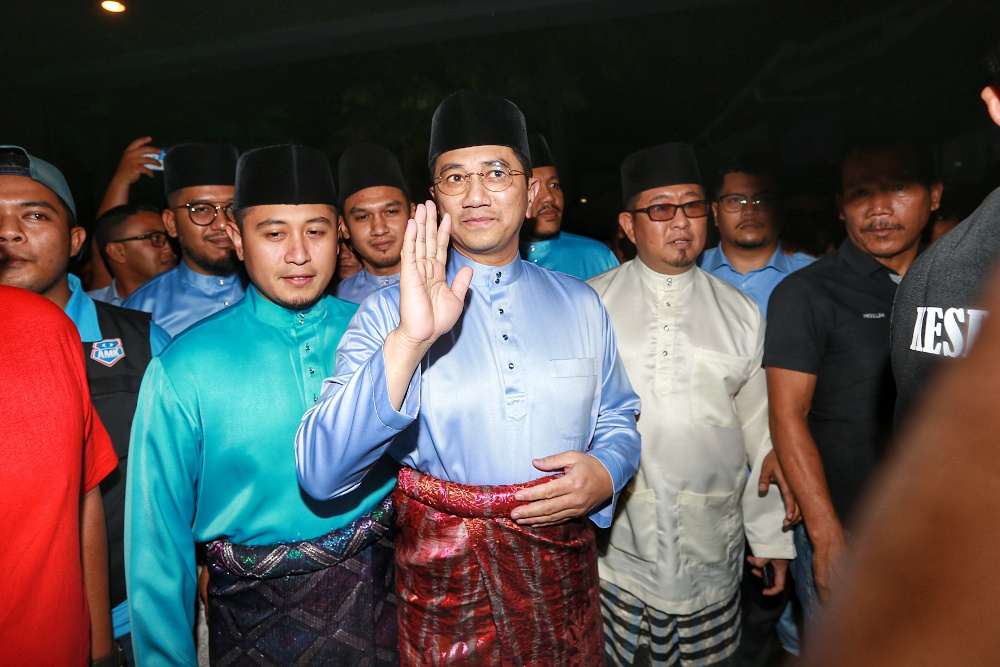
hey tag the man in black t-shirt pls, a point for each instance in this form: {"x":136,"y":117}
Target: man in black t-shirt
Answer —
{"x":936,"y":315}
{"x":827,"y":348}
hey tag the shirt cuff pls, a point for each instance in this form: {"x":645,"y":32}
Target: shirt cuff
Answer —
{"x":389,"y":416}
{"x":603,"y":513}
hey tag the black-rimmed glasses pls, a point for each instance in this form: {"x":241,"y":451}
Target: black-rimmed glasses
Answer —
{"x":497,"y":179}
{"x":158,"y":239}
{"x":203,"y":213}
{"x":663,"y":212}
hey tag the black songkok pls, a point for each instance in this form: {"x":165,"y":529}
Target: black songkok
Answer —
{"x":469,"y":118}
{"x":541,"y":156}
{"x":368,"y":166}
{"x":285,"y":174}
{"x":193,"y":165}
{"x":657,"y":167}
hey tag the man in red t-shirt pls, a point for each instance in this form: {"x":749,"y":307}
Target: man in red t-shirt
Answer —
{"x":54,"y":452}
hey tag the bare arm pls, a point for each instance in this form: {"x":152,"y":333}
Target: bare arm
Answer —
{"x":790,"y":395}
{"x":94,"y":548}
{"x":428,"y":307}
{"x":132,"y":165}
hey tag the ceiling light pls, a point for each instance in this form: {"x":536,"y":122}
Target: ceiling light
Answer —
{"x":583,"y":201}
{"x":112,"y":6}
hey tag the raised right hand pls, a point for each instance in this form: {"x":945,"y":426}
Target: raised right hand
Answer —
{"x":428,"y":306}
{"x":134,"y":162}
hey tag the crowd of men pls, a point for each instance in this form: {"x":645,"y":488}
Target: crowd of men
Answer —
{"x":347,"y":427}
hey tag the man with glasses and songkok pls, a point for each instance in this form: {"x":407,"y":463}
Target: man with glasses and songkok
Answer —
{"x":375,"y":205}
{"x":749,"y":255}
{"x":543,"y":241}
{"x":132,"y":242}
{"x":198,"y":180}
{"x":499,"y":387}
{"x":38,"y":237}
{"x":292,"y":580}
{"x":692,"y":345}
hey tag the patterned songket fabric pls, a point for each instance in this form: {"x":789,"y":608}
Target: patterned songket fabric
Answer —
{"x":476,"y":588}
{"x":326,"y":601}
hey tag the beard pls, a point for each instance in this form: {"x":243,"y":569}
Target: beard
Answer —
{"x":750,"y":244}
{"x":216,"y":266}
{"x":682,"y":260}
{"x":297,"y":305}
{"x":381,"y":262}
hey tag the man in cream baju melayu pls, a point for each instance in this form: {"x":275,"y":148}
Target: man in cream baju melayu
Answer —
{"x":692,"y":346}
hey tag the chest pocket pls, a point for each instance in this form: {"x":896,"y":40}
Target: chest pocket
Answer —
{"x":575,"y":384}
{"x":715,"y":378}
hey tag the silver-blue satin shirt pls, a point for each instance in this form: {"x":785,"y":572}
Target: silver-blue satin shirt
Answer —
{"x":530,"y":369}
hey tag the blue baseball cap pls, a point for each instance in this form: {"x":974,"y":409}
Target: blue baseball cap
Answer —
{"x":41,"y":171}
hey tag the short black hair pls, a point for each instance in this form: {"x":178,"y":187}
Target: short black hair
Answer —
{"x":12,"y":157}
{"x":108,"y":224}
{"x":918,"y":151}
{"x":755,"y":164}
{"x":992,"y":61}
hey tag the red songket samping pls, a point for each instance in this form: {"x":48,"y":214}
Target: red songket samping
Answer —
{"x":475,"y":588}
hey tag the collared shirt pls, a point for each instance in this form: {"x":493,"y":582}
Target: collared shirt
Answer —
{"x":107,"y":294}
{"x":571,"y":254}
{"x":356,"y":288}
{"x":759,"y":283}
{"x":80,"y":308}
{"x":831,"y":320}
{"x":529,"y":370}
{"x":180,"y":297}
{"x":692,"y":346}
{"x":212,"y":456}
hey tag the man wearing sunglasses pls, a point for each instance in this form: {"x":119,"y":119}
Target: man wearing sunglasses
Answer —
{"x":133,"y":243}
{"x":749,"y":255}
{"x":198,"y":180}
{"x":692,"y":346}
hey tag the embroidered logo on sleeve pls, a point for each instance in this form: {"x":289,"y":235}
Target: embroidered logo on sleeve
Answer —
{"x":873,"y":316}
{"x":108,"y":351}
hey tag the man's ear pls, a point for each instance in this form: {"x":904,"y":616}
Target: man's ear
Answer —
{"x":345,"y":233}
{"x":170,"y":222}
{"x":413,"y":210}
{"x":533,"y":187}
{"x":626,"y":222}
{"x":715,"y":213}
{"x":840,"y":207}
{"x":233,"y":231}
{"x":77,"y":236}
{"x":937,"y":188}
{"x":115,"y":252}
{"x":991,"y":96}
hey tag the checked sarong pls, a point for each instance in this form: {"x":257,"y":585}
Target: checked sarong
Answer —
{"x":475,"y":588}
{"x":325,"y":601}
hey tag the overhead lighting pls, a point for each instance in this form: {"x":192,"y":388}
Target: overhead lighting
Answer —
{"x":583,"y":201}
{"x":112,"y":6}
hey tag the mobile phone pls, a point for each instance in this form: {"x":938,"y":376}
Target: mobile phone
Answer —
{"x":767,"y":576}
{"x":155,"y":156}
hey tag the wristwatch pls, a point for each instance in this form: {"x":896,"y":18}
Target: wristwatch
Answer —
{"x":114,"y":659}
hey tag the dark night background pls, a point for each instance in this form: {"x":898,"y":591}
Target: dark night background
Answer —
{"x":601,"y":79}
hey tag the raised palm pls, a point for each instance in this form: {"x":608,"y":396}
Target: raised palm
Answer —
{"x":428,"y":306}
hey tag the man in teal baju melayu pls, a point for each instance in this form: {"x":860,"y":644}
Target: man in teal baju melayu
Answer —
{"x":213,"y":460}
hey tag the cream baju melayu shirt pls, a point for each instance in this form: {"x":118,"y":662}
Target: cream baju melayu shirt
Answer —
{"x":692,"y":346}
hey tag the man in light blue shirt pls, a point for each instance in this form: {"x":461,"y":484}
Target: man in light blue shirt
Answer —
{"x":375,"y":205}
{"x":484,"y":375}
{"x":543,"y":241}
{"x":749,"y":255}
{"x":213,"y":457}
{"x":132,"y":242}
{"x":198,"y":180}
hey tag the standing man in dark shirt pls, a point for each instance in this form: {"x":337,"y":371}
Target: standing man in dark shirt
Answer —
{"x":827,"y":349}
{"x":936,"y":315}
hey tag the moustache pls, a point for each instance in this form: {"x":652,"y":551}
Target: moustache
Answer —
{"x":881,"y":226}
